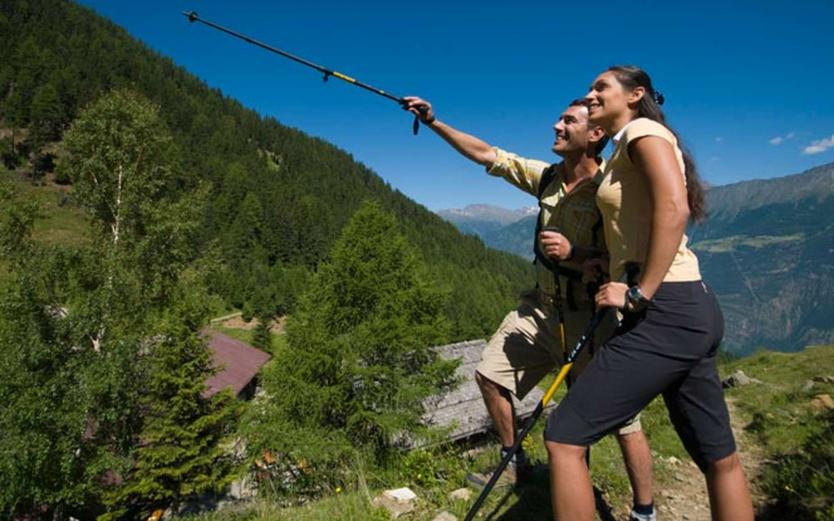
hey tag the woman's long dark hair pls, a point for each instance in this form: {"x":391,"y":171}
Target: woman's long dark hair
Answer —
{"x":632,"y":77}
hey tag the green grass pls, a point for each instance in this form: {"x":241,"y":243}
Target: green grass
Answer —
{"x":61,"y":221}
{"x":349,"y":506}
{"x":795,"y":437}
{"x":279,"y":342}
{"x":726,"y":244}
{"x":5,"y":276}
{"x":779,"y":410}
{"x":777,"y":413}
{"x":244,"y":335}
{"x":434,"y":473}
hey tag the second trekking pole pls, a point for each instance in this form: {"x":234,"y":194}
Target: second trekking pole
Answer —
{"x":528,"y":426}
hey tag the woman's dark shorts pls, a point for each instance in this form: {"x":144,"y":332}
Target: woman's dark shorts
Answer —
{"x":668,"y":349}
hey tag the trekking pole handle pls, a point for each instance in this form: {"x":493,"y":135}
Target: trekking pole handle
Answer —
{"x":416,"y":125}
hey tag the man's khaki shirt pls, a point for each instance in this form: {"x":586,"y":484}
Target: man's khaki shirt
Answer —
{"x":574,"y":214}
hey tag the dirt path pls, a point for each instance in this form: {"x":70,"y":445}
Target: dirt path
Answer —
{"x":686,"y":496}
{"x":235,"y":321}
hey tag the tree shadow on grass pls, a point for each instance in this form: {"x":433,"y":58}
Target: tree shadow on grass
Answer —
{"x":533,"y":501}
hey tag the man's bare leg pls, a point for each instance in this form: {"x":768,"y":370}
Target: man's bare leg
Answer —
{"x":638,"y":461}
{"x":499,"y":404}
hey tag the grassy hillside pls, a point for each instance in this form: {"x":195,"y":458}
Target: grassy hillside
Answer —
{"x":783,"y":438}
{"x":793,"y":428}
{"x":62,"y":222}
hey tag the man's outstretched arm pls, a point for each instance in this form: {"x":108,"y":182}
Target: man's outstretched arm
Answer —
{"x":468,"y":145}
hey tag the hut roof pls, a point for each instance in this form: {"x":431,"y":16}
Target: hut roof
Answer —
{"x":237,"y":363}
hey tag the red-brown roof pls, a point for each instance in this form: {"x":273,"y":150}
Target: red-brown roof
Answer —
{"x":237,"y":363}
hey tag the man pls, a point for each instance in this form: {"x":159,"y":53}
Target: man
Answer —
{"x":534,"y":338}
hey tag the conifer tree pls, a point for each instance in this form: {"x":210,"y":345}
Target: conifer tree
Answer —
{"x":183,"y":450}
{"x":359,"y":361}
{"x":261,"y":336}
{"x":46,"y":115}
{"x":13,"y":113}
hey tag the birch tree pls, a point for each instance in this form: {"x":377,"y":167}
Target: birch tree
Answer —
{"x":121,"y":160}
{"x":97,"y":350}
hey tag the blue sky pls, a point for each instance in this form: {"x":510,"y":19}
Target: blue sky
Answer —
{"x":748,"y":85}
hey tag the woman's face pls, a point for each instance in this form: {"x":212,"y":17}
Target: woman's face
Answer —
{"x":608,"y":101}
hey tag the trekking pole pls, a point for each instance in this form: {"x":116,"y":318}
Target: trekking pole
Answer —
{"x":528,"y":426}
{"x":557,"y":283}
{"x":194,"y":17}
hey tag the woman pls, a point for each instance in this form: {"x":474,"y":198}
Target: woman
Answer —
{"x":671,"y":327}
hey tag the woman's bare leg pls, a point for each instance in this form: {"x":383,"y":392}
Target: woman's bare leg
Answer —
{"x":729,"y":496}
{"x":571,"y":491}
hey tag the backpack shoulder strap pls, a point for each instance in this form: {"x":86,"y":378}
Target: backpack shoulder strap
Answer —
{"x":547,"y":177}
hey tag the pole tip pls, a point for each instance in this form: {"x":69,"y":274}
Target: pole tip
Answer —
{"x":191,"y":15}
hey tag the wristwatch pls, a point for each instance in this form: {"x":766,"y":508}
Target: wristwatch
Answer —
{"x":635,"y":300}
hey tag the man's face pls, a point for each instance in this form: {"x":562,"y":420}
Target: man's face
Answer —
{"x":572,"y":131}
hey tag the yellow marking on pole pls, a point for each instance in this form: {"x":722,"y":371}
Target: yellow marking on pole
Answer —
{"x":342,"y":76}
{"x":562,"y":334}
{"x":556,"y":383}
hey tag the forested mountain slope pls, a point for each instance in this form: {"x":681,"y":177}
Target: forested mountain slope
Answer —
{"x":278,"y":196}
{"x":768,"y":249}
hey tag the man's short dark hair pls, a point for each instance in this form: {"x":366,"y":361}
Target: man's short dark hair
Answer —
{"x":579,"y":102}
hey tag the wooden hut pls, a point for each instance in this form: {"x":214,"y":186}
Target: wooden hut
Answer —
{"x":463,"y":409}
{"x":238,"y":364}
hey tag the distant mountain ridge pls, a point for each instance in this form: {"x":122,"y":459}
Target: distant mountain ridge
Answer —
{"x":767,"y":249}
{"x":489,"y":212}
{"x":515,"y":238}
{"x":484,"y":219}
{"x":750,"y":207}
{"x":727,"y":201}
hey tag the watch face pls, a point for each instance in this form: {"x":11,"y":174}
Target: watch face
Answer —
{"x":635,"y":296}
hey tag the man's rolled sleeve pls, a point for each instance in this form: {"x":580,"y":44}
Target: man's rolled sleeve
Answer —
{"x":518,"y":171}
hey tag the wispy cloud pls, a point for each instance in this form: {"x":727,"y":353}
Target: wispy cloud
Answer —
{"x":719,"y":139}
{"x":778,"y":140}
{"x":819,"y":146}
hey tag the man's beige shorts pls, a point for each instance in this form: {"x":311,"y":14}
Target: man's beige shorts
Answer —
{"x":527,"y":346}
